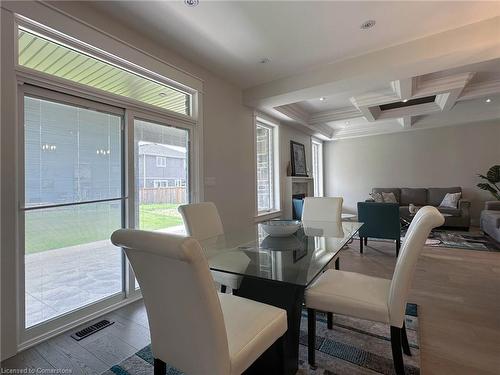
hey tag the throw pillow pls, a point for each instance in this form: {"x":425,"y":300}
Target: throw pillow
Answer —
{"x":451,"y":200}
{"x":377,"y":197}
{"x":389,"y":197}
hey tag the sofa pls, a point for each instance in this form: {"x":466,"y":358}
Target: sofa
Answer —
{"x":490,"y":219}
{"x":456,"y":217}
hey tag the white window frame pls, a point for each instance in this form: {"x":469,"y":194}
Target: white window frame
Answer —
{"x":56,"y":87}
{"x":318,"y":171}
{"x":161,"y":162}
{"x":275,"y":210}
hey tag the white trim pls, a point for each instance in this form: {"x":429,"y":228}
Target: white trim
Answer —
{"x":263,"y":216}
{"x":319,"y":186}
{"x":274,"y":128}
{"x":97,"y":312}
{"x":54,"y":18}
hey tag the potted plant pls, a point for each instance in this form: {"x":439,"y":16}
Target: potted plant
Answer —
{"x":493,"y":178}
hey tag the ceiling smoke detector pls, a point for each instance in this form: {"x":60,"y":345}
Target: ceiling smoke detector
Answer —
{"x":191,"y":3}
{"x":367,"y":24}
{"x":265,"y":60}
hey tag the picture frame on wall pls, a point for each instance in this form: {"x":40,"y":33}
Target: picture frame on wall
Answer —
{"x":298,"y":158}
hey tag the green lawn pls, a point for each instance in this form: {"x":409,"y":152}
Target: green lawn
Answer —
{"x":70,"y":226}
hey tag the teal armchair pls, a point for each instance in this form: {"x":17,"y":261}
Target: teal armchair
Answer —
{"x":380,"y":220}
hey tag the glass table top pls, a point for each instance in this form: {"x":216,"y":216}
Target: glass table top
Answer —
{"x":296,"y":259}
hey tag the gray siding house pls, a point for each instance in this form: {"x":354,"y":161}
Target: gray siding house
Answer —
{"x":161,"y":166}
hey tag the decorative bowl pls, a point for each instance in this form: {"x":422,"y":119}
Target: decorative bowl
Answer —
{"x":280,"y":228}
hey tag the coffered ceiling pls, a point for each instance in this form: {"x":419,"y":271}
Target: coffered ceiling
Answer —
{"x":326,"y":75}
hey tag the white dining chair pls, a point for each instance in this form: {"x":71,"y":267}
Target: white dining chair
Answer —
{"x":194,"y":328}
{"x":322,"y":209}
{"x":202,"y":221}
{"x":373,"y":298}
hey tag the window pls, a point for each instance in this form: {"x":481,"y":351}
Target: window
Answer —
{"x":159,"y":191}
{"x":161,"y":161}
{"x":317,"y":164}
{"x":44,"y":55}
{"x":266,"y":159}
{"x":73,"y":201}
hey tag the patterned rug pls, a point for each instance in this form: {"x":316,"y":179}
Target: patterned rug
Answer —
{"x":464,"y":240}
{"x":353,"y":346}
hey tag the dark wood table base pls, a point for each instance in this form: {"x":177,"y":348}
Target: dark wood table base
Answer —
{"x":283,"y":356}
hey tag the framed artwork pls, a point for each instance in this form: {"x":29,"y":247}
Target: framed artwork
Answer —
{"x":298,"y":157}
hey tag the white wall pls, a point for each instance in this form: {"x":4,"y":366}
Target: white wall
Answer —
{"x":287,"y":134}
{"x":228,"y":146}
{"x":440,"y":157}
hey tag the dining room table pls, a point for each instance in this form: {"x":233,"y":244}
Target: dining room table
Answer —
{"x":277,"y":271}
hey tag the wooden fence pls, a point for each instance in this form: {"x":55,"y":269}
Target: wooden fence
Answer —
{"x":174,"y":195}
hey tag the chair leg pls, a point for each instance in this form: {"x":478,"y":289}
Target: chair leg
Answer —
{"x":361,"y":245}
{"x":160,"y":367}
{"x":223,"y":289}
{"x":398,"y":246}
{"x":366,"y":241}
{"x":329,"y":320}
{"x":404,"y":339}
{"x":311,"y":337}
{"x":397,"y":354}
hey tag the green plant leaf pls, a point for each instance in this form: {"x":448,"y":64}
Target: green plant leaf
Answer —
{"x":491,"y":189}
{"x":493,"y":174}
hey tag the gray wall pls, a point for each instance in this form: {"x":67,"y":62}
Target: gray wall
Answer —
{"x":440,"y":157}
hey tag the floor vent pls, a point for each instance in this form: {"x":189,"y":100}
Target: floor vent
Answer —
{"x":87,"y":331}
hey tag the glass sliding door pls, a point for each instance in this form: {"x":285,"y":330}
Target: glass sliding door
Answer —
{"x":73,"y":201}
{"x":161,"y":176}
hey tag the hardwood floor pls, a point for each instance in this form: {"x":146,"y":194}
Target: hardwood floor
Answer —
{"x":459,"y":313}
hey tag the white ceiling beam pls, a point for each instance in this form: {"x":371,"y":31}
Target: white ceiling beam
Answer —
{"x":299,"y":116}
{"x":334,"y":115}
{"x":403,"y":88}
{"x":406,"y":121}
{"x":427,"y":87}
{"x":480,"y":90}
{"x":470,"y":44}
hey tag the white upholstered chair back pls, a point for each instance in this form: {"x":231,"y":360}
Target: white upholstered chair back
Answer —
{"x":425,"y":220}
{"x":202,"y":220}
{"x":322,"y":209}
{"x":184,"y":312}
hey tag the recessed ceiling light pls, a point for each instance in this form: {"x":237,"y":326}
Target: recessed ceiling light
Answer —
{"x":322,"y":98}
{"x":265,"y":60}
{"x":404,"y":100}
{"x":191,"y":3}
{"x":347,"y":123}
{"x":367,"y":24}
{"x":162,"y":94}
{"x":488,"y":100}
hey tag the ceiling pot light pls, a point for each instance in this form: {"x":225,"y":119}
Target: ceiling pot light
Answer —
{"x":322,"y":98}
{"x":191,"y":3}
{"x":488,"y":100}
{"x":367,"y":24}
{"x":404,"y":100}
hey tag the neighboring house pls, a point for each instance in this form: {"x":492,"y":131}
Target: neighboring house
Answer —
{"x":161,"y":166}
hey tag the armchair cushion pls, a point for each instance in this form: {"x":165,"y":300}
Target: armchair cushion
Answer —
{"x":251,"y":328}
{"x":396,"y":191}
{"x":450,"y":211}
{"x":352,"y":294}
{"x":436,"y":195}
{"x":492,"y":205}
{"x":417,"y":196}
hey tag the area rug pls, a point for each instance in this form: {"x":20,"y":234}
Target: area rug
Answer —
{"x":464,"y":240}
{"x":353,"y":346}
